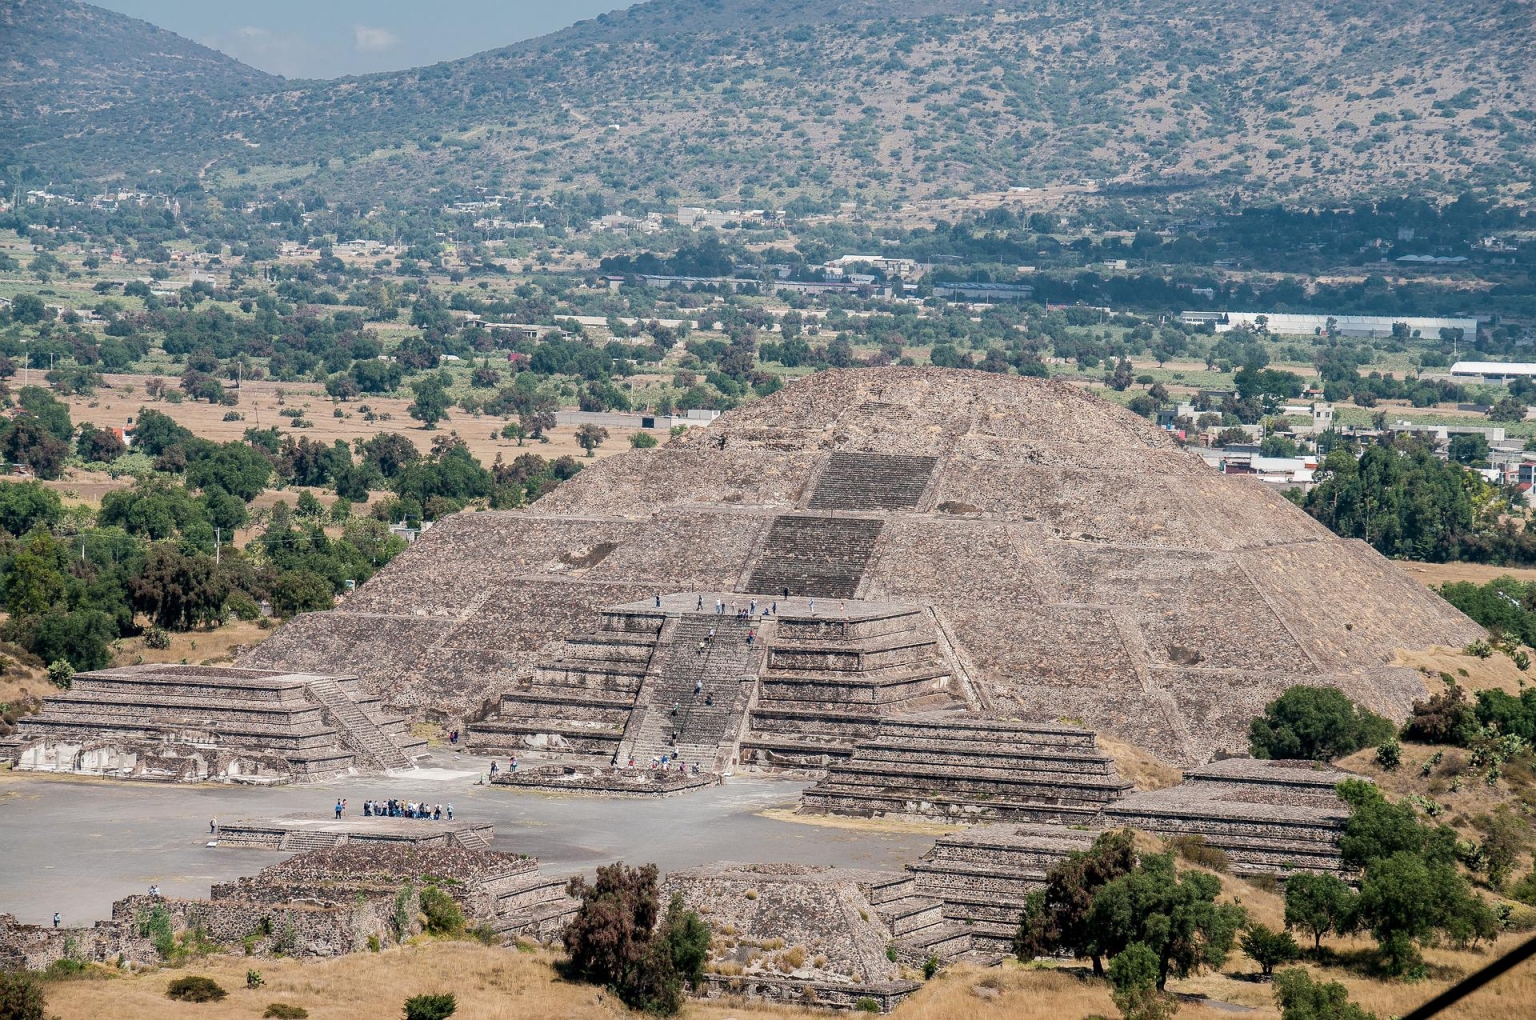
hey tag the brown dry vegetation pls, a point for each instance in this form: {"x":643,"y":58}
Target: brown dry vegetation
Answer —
{"x":198,"y":647}
{"x":498,"y":984}
{"x":1497,"y":671}
{"x":1139,"y":767}
{"x":1436,"y":574}
{"x":121,"y":396}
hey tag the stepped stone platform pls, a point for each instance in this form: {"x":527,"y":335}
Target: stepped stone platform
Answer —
{"x":606,"y":780}
{"x":1269,"y":817}
{"x":963,"y":767}
{"x":983,"y":875}
{"x":181,"y":723}
{"x":813,"y":934}
{"x":721,"y":679}
{"x":301,"y":833}
{"x":1072,"y":560}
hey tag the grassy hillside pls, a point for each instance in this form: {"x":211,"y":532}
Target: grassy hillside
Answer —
{"x":763,"y":101}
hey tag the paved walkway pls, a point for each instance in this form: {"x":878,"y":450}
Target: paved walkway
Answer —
{"x":75,"y":845}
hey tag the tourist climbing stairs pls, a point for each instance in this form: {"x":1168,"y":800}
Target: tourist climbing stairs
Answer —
{"x":359,"y":730}
{"x":693,"y":703}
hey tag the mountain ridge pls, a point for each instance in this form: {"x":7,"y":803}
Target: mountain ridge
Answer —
{"x":913,"y":98}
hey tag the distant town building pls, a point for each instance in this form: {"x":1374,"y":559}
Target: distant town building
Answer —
{"x":1308,"y":324}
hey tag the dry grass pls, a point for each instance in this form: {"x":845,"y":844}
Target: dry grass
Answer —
{"x":1139,"y":767}
{"x":1436,"y":574}
{"x":499,"y":984}
{"x":122,"y":395}
{"x":198,"y":647}
{"x":1497,"y":671}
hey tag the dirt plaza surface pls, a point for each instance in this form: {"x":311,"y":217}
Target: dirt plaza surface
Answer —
{"x":75,"y":845}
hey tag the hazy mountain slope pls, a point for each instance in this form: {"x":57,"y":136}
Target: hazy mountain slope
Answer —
{"x":69,"y":68}
{"x":1301,"y":97}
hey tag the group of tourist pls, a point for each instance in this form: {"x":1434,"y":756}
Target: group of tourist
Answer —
{"x":666,"y":763}
{"x":406,"y":809}
{"x":747,"y":612}
{"x":511,"y":766}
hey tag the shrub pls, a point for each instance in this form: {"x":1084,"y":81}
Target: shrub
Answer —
{"x":1133,"y":976}
{"x":1269,"y":949}
{"x":1317,"y":723}
{"x":443,"y":914}
{"x":195,"y":988}
{"x":1302,"y":998}
{"x":430,"y":1007}
{"x":1389,"y":754}
{"x":615,"y":939}
{"x":61,"y":673}
{"x":253,"y":979}
{"x":1195,"y":850}
{"x":1446,"y":718}
{"x":642,"y":440}
{"x":930,"y":967}
{"x":21,"y":996}
{"x":283,"y":1011}
{"x":867,"y":1004}
{"x":156,"y":637}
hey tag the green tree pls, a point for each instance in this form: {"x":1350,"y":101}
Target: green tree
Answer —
{"x":26,"y":440}
{"x":238,"y":469}
{"x":431,"y":403}
{"x":82,"y":638}
{"x":1470,"y":448}
{"x":642,"y":441}
{"x":179,"y":591}
{"x":1056,"y":918}
{"x":301,"y":591}
{"x":620,"y":939}
{"x":1377,"y":829}
{"x":1302,"y":998}
{"x":1176,"y":916}
{"x":1269,"y":949}
{"x":589,"y":437}
{"x":155,"y":432}
{"x":51,"y":413}
{"x":1316,"y":723}
{"x":1133,"y":977}
{"x":98,"y":446}
{"x":27,"y":505}
{"x":1319,"y":905}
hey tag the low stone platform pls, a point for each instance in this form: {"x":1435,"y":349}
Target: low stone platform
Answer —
{"x":968,"y":766}
{"x":1269,"y":817}
{"x":298,"y":833}
{"x":605,"y":780}
{"x":180,"y":723}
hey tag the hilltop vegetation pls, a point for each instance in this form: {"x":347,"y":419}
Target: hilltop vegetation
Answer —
{"x":766,"y":102}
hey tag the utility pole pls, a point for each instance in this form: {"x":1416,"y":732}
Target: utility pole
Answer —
{"x":216,"y":549}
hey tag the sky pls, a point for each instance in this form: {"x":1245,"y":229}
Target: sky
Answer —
{"x":332,"y":38}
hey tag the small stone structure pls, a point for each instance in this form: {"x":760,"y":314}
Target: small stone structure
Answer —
{"x":180,"y":723}
{"x":607,"y":780}
{"x":1071,"y":560}
{"x":299,"y":833}
{"x":815,"y":935}
{"x":1268,"y":817}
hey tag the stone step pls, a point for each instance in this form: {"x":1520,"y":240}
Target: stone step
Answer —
{"x":824,"y":557}
{"x":871,"y":481}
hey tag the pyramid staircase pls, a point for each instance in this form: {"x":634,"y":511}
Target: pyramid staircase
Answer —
{"x":695,"y":697}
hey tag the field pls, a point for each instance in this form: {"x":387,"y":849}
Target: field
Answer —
{"x":1436,"y":574}
{"x":498,"y":984}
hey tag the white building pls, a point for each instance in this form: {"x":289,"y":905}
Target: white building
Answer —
{"x":1307,"y":324}
{"x":1493,"y":371}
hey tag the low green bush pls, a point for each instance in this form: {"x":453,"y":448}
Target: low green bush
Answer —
{"x":195,"y":988}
